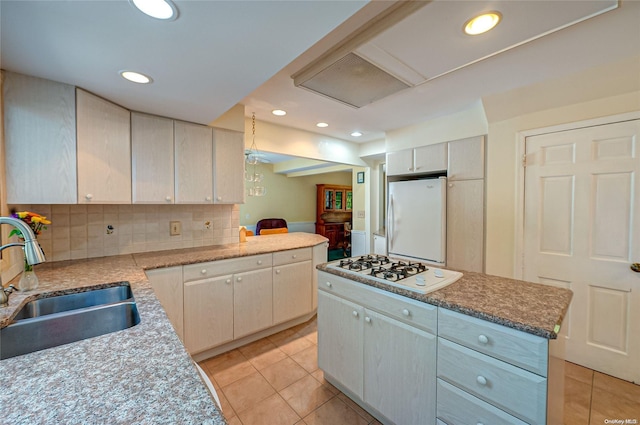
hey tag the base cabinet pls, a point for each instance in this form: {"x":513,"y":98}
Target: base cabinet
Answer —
{"x":209,"y":319}
{"x":360,"y":342}
{"x":216,"y":304}
{"x":252,"y":302}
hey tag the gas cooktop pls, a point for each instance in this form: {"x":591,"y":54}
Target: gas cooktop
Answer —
{"x":411,"y":275}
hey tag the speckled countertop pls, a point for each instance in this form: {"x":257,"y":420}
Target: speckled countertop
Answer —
{"x":528,"y":307}
{"x":140,"y":375}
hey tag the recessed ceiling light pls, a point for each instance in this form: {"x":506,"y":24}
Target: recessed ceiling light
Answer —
{"x":279,"y":112}
{"x":159,"y":9}
{"x":136,"y":77}
{"x":482,"y":23}
{"x":356,"y":134}
{"x":322,"y":125}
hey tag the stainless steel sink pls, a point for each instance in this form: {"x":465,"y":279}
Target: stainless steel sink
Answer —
{"x":50,"y":322}
{"x":57,"y":304}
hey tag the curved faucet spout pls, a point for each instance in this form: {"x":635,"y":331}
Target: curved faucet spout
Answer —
{"x":32,"y":251}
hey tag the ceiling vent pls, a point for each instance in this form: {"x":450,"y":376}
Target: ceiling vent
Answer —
{"x":353,"y":81}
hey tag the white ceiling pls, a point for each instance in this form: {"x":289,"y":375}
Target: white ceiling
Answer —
{"x":220,"y":53}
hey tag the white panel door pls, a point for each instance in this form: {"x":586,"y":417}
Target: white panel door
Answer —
{"x":582,"y":211}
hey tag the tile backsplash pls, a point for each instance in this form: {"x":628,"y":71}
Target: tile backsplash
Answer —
{"x":82,"y":231}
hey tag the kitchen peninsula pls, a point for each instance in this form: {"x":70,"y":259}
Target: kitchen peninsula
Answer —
{"x":140,"y":375}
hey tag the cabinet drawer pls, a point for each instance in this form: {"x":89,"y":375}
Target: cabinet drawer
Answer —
{"x":527,"y":351}
{"x":415,"y":313}
{"x":516,"y":391}
{"x":458,"y":407}
{"x":291,"y":256}
{"x":229,"y":266}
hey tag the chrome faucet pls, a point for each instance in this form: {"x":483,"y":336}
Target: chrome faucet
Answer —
{"x":32,"y":252}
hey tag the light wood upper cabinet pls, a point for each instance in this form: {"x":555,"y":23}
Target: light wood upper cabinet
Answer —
{"x":228,"y":167}
{"x":104,"y":150}
{"x":466,"y":159}
{"x":39,"y":117}
{"x":193,"y":163}
{"x":425,"y":159}
{"x":152,"y":159}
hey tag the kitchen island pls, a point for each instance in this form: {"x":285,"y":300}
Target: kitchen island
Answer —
{"x":139,"y":375}
{"x":484,"y":349}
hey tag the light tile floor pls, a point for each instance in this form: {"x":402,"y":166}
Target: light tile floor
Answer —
{"x":276,"y":381}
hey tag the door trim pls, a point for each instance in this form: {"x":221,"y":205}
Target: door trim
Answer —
{"x":521,"y":136}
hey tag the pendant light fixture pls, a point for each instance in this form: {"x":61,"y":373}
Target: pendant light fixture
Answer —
{"x":253,"y":162}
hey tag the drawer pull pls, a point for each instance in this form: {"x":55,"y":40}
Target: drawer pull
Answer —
{"x":355,"y":313}
{"x":277,"y":271}
{"x":239,"y":279}
{"x":481,"y":380}
{"x":406,"y":312}
{"x":228,"y":280}
{"x":294,"y":256}
{"x":482,"y":339}
{"x":367,"y":319}
{"x":168,"y":198}
{"x":259,"y":262}
{"x":203,"y":271}
{"x":329,"y":284}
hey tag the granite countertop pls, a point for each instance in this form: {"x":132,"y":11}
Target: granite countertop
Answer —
{"x":139,"y":375}
{"x":529,"y":307}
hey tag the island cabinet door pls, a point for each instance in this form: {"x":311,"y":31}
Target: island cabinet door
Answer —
{"x":399,"y":370}
{"x":252,"y":302}
{"x":208,"y":313}
{"x":340,"y":341}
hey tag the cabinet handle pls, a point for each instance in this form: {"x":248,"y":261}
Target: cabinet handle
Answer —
{"x":482,"y":339}
{"x":410,"y":169}
{"x":208,"y":198}
{"x":168,"y":199}
{"x":329,"y":284}
{"x":219,"y":198}
{"x":89,"y":196}
{"x":406,"y":312}
{"x":355,"y":313}
{"x":450,"y":184}
{"x":417,"y":168}
{"x":203,"y":271}
{"x":294,"y":256}
{"x":367,"y":319}
{"x":278,"y":271}
{"x":228,"y":281}
{"x":239,"y":279}
{"x":259,"y":262}
{"x":481,"y":380}
{"x":479,"y":423}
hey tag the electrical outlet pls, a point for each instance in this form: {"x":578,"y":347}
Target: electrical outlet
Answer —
{"x":207,"y":225}
{"x":360,"y":214}
{"x":175,"y":228}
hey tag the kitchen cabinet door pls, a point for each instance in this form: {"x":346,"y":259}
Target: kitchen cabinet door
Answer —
{"x":465,"y":225}
{"x":208,"y":316}
{"x":39,"y":117}
{"x":228,"y":167}
{"x":167,"y":285}
{"x":252,"y":302}
{"x":152,"y":159}
{"x":103,"y":149}
{"x":429,"y":159}
{"x":193,"y":163}
{"x":340,"y":341}
{"x":403,"y":391}
{"x":379,"y":245}
{"x":466,"y":159}
{"x":400,"y":162}
{"x":291,"y":291}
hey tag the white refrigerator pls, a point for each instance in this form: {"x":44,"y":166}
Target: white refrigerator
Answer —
{"x":416,"y":219}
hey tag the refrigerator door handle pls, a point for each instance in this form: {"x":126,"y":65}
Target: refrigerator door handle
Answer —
{"x":390,"y":224}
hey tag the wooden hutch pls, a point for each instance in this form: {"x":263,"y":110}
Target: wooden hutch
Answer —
{"x":333,"y":210}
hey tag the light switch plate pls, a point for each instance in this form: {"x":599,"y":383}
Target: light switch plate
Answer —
{"x":175,"y":228}
{"x":360,"y":214}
